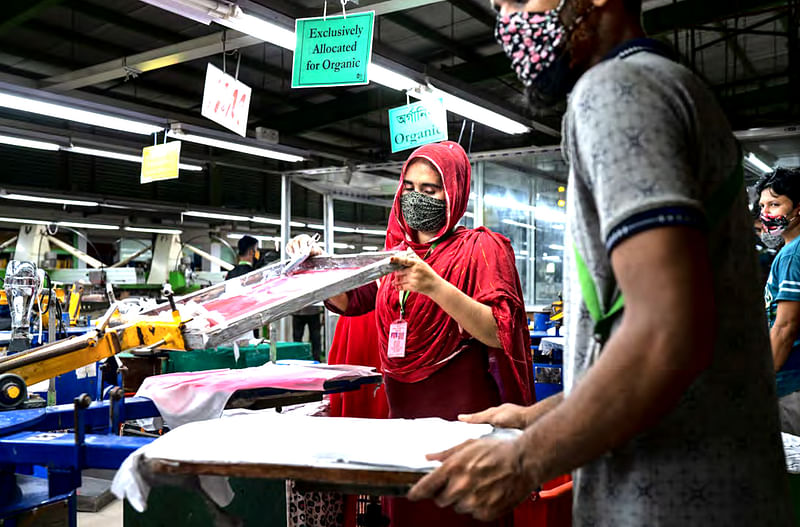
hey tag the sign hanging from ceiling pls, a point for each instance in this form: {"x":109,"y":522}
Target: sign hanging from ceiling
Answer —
{"x":160,"y":162}
{"x":417,"y":124}
{"x":333,"y":51}
{"x":226,"y":101}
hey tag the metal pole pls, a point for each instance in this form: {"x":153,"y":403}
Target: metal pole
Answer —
{"x":328,"y":222}
{"x":286,"y":234}
{"x":479,"y":190}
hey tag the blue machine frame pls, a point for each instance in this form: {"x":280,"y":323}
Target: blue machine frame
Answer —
{"x":27,"y":440}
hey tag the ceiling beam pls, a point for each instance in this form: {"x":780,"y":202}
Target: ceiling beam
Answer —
{"x":481,"y":15}
{"x":489,"y":67}
{"x":110,"y":16}
{"x":732,"y":43}
{"x":433,"y":35}
{"x":337,"y":110}
{"x":689,"y":14}
{"x":392,"y":6}
{"x":15,"y":12}
{"x":150,"y":60}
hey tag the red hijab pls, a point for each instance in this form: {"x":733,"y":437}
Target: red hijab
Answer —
{"x":477,"y":261}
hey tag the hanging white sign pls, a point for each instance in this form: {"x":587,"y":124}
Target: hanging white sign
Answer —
{"x":226,"y":101}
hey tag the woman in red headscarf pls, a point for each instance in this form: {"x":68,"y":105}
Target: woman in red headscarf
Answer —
{"x":451,"y":324}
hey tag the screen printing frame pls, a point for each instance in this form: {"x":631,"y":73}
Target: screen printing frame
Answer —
{"x":367,"y":267}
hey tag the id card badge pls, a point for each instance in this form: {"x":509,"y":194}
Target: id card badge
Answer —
{"x":397,"y":339}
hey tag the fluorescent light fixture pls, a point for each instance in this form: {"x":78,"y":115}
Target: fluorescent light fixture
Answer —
{"x":519,"y":224}
{"x":556,"y":247}
{"x":551,"y":258}
{"x":349,"y":230}
{"x":758,"y":163}
{"x":215,"y":215}
{"x":261,"y":29}
{"x":558,"y":226}
{"x":236,"y":147}
{"x":202,"y":11}
{"x":239,"y":236}
{"x":273,"y":221}
{"x":469,"y":215}
{"x":376,"y":232}
{"x":390,"y":79}
{"x":524,"y":253}
{"x":268,"y":221}
{"x":370,"y":248}
{"x":79,"y":225}
{"x":471,"y":111}
{"x":58,"y":111}
{"x":153,"y":230}
{"x":122,"y":157}
{"x":24,"y":221}
{"x":56,"y":201}
{"x":73,"y":224}
{"x":337,"y":245}
{"x":28,"y":143}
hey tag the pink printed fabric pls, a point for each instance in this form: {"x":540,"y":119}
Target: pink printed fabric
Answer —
{"x":196,"y":396}
{"x":273,"y":290}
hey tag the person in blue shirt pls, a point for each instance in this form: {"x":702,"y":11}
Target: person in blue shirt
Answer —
{"x":779,"y":202}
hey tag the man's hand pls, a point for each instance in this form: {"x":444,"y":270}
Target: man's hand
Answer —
{"x":479,"y":477}
{"x":505,"y":416}
{"x":416,"y":275}
{"x":513,"y":416}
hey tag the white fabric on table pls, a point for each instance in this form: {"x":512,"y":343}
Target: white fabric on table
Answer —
{"x":298,"y":440}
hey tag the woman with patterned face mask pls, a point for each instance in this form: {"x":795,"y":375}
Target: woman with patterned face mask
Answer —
{"x":779,"y":202}
{"x":451,"y":324}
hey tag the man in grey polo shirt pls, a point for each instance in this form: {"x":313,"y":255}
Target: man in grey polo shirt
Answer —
{"x":669,"y":415}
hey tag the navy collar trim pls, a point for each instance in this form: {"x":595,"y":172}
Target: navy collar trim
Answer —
{"x":641,"y":44}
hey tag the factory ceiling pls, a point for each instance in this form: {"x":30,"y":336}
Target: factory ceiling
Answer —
{"x":747,"y":50}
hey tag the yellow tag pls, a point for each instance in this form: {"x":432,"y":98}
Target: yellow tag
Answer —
{"x":160,"y":162}
{"x":13,"y":392}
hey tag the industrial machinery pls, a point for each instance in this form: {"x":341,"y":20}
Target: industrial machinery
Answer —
{"x":23,"y":284}
{"x":207,"y":318}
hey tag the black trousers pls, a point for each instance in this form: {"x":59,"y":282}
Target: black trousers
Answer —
{"x":314,"y":323}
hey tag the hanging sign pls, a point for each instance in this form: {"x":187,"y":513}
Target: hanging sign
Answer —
{"x":160,"y":162}
{"x":332,"y":51}
{"x":418,"y":124}
{"x":226,"y":101}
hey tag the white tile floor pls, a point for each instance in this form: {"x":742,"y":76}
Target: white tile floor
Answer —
{"x":110,"y":516}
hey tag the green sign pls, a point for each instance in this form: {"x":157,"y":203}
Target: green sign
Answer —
{"x":332,"y":51}
{"x":418,"y":124}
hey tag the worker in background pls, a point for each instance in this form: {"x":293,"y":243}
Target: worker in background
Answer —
{"x":249,"y":255}
{"x":452,"y":331}
{"x":669,"y":416}
{"x":310,"y":316}
{"x":779,"y":203}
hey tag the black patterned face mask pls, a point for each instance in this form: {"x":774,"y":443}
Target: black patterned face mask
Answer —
{"x":423,"y":213}
{"x":533,"y":41}
{"x":536,"y":43}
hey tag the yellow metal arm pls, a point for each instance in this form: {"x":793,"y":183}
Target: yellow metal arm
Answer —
{"x":67,"y":355}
